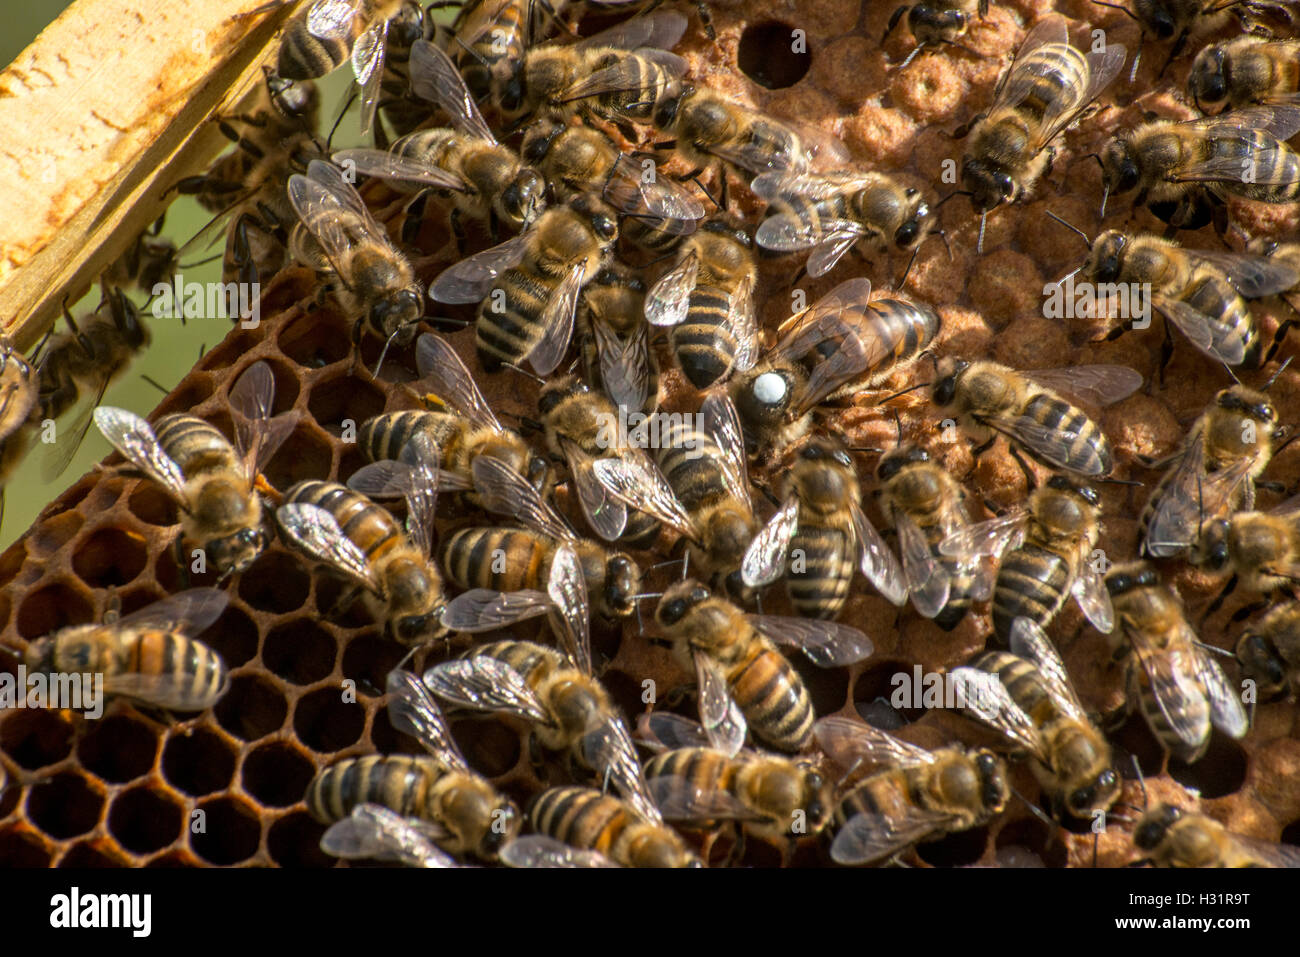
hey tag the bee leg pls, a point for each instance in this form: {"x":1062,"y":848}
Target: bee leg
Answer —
{"x":1280,"y":335}
{"x":414,"y":219}
{"x":1245,"y":611}
{"x":247,"y":145}
{"x":178,"y":547}
{"x":344,"y":602}
{"x":893,"y":22}
{"x":1166,"y":354}
{"x":1031,"y":480}
{"x":722,"y":190}
{"x":457,"y":230}
{"x":1176,"y":49}
{"x":1219,"y":599}
{"x":976,"y":451}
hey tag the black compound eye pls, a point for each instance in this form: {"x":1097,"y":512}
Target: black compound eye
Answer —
{"x":698,"y":595}
{"x":1118,"y":584}
{"x":811,"y":453}
{"x":907,"y":233}
{"x":671,"y":612}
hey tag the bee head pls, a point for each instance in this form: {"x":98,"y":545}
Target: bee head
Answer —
{"x":1104,"y":258}
{"x":895,"y":460}
{"x":293,"y":99}
{"x":908,"y":234}
{"x":1121,"y":581}
{"x":820,"y":449}
{"x":524,"y":198}
{"x":1119,"y":171}
{"x":234,"y":553}
{"x":622,"y":582}
{"x":1261,"y":662}
{"x":397,"y":314}
{"x":1155,"y":824}
{"x":1213,"y":547}
{"x":1247,"y":402}
{"x":988,"y":185}
{"x":1156,"y":17}
{"x":1208,"y":81}
{"x":947,"y":372}
{"x":679,"y":600}
{"x":814,"y":787}
{"x":555,"y":391}
{"x":728,"y":226}
{"x":1097,"y":793}
{"x":993,"y":780}
{"x":538,"y":472}
{"x":666,"y":111}
{"x":505,"y":825}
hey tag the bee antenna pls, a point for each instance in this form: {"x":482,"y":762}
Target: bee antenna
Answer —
{"x":944,"y":236}
{"x":911,"y":56}
{"x":649,"y":594}
{"x":384,"y":351}
{"x":705,"y":190}
{"x":1115,"y":481}
{"x":1121,"y":8}
{"x":1276,"y":375}
{"x":1034,"y":809}
{"x":1068,"y":276}
{"x":955,"y":192}
{"x":472,"y":52}
{"x":1231,"y":373}
{"x":153,"y":382}
{"x":522,"y":371}
{"x":1105,"y":195}
{"x":347,"y":104}
{"x":903,"y":279}
{"x":913,"y":388}
{"x":671,"y":561}
{"x":979,"y":245}
{"x":1072,"y":228}
{"x":898,"y":424}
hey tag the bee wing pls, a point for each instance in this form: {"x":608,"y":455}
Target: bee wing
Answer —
{"x":1013,"y":86}
{"x":759,"y":156}
{"x":318,"y":198}
{"x":1100,"y":385}
{"x":850,"y":743}
{"x":1171,"y":676}
{"x":985,"y":697}
{"x":606,"y":514}
{"x":486,"y":684}
{"x":991,"y":537}
{"x":412,"y":710}
{"x":1089,"y":590}
{"x":1103,"y":66}
{"x":571,"y":616}
{"x":415,"y":478}
{"x":538,"y":850}
{"x":814,"y":186}
{"x":871,"y":837}
{"x":721,"y":717}
{"x":316,"y":532}
{"x":1190,"y":498}
{"x":1236,"y":135}
{"x":435,"y":78}
{"x":470,"y":280}
{"x":722,"y":423}
{"x":665,"y":731}
{"x":876,"y":560}
{"x":368,"y":68}
{"x":639,"y":484}
{"x":1052,"y":443}
{"x":190,"y":612}
{"x":625,"y":75}
{"x":385,"y":165}
{"x":1253,"y":276}
{"x":765,"y":558}
{"x":1206,"y":332}
{"x":608,"y":750}
{"x":1029,"y":641}
{"x":1226,"y":711}
{"x":135,"y":439}
{"x":332,"y":19}
{"x":1267,"y":852}
{"x":667,"y":301}
{"x":557,"y":321}
{"x":628,"y":191}
{"x":744,"y":324}
{"x":837,"y":239}
{"x":828,"y":644}
{"x":258,"y":435}
{"x":374,"y":832}
{"x":62,"y":452}
{"x":506,"y":492}
{"x":830,"y":327}
{"x":660,"y":29}
{"x":927,"y":578}
{"x":681,"y":799}
{"x":483,"y":609}
{"x":624,"y":365}
{"x":446,"y":373}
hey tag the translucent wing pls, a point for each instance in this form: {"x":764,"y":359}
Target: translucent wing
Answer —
{"x":865,"y":838}
{"x":1253,"y":276}
{"x":135,"y":439}
{"x":567,"y":590}
{"x":1267,"y":852}
{"x":1236,"y":136}
{"x":333,"y":213}
{"x":412,"y":710}
{"x":1103,"y":66}
{"x":315,"y":531}
{"x":636,"y":482}
{"x":1016,"y":84}
{"x":1089,"y":590}
{"x":839,"y":237}
{"x":485,"y":684}
{"x":482,"y":609}
{"x":660,"y":29}
{"x":628,"y":191}
{"x":851,"y":743}
{"x":765,"y":558}
{"x":1226,"y":711}
{"x":257,"y":434}
{"x":991,"y":537}
{"x":368,"y":68}
{"x":374,"y":832}
{"x":557,"y":321}
{"x":1029,"y":641}
{"x":681,"y":799}
{"x":448,"y":378}
{"x":1190,"y":497}
{"x":986,"y":698}
{"x":832,"y":327}
{"x":626,"y":74}
{"x":1095,"y":384}
{"x":403,"y":169}
{"x":538,"y":850}
{"x":744,"y":324}
{"x":190,"y":612}
{"x":1176,"y":691}
{"x":435,"y":78}
{"x":667,"y":301}
{"x":760,"y":154}
{"x":722,"y":423}
{"x":828,"y":644}
{"x":609,"y":751}
{"x":1053,"y":444}
{"x":170,"y":690}
{"x":606,"y":514}
{"x":665,"y":731}
{"x":1204,"y":331}
{"x":506,"y":492}
{"x":624,"y":365}
{"x":62,"y":452}
{"x":719,"y":714}
{"x":814,"y":186}
{"x":415,"y":478}
{"x":876,"y":561}
{"x":470,"y":280}
{"x":926,"y":577}
{"x":332,"y":19}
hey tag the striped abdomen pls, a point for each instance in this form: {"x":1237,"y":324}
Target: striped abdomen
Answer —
{"x":885,"y":331}
{"x":703,"y":769}
{"x":1060,"y":76}
{"x":1274,"y":182}
{"x":1032,"y":582}
{"x":1194,"y":708}
{"x":772,"y":696}
{"x":370,"y":527}
{"x":821,"y":569}
{"x":1023,"y":683}
{"x":690,"y":460}
{"x":1235,"y":328}
{"x":533,"y":662}
{"x":384,"y":436}
{"x":885,"y":794}
{"x":195,"y":445}
{"x":580,"y":817}
{"x":492,"y":31}
{"x":704,"y":343}
{"x":509,"y":325}
{"x":400,"y":782}
{"x":305,"y":56}
{"x":503,"y":559}
{"x":166,"y":669}
{"x":1088,"y":451}
{"x":638,"y":100}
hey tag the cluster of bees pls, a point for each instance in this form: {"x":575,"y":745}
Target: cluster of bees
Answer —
{"x":577,"y":206}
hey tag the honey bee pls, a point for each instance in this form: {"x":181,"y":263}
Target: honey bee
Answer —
{"x":567,"y":708}
{"x":745,"y":682}
{"x":771,"y":796}
{"x":842,"y":344}
{"x":150,"y":655}
{"x":615,"y":340}
{"x":19,"y":410}
{"x":988,"y":399}
{"x":373,"y":832}
{"x":926,"y":506}
{"x":1047,"y":556}
{"x":1182,"y":170}
{"x":213,"y":482}
{"x":1260,"y":550}
{"x":487,"y":179}
{"x":459,"y":423}
{"x":917,"y":796}
{"x":1245,"y":71}
{"x":150,"y":260}
{"x":1181,"y":690}
{"x":402,"y":588}
{"x":936,"y":21}
{"x":75,"y":369}
{"x":1202,"y":292}
{"x":337,"y":236}
{"x":1026,"y":696}
{"x":528,"y":287}
{"x":1269,"y":651}
{"x":318,"y":41}
{"x":1214,"y":472}
{"x":822,"y":525}
{"x":830,"y":213}
{"x":582,"y":827}
{"x":707,"y":300}
{"x":523,"y":560}
{"x":439,"y":789}
{"x":1172,"y":837}
{"x":402,"y":109}
{"x":491,"y":37}
{"x":574,"y":159}
{"x":700,"y":487}
{"x":1045,"y":90}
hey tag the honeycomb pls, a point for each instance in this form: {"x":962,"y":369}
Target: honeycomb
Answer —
{"x":125,"y":790}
